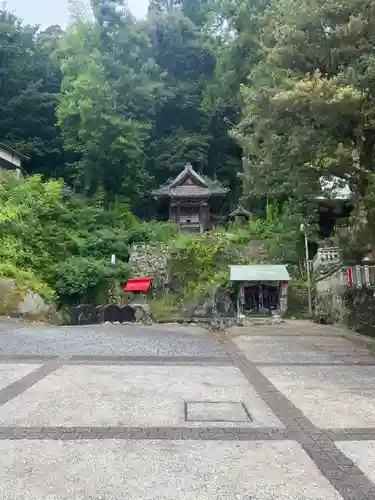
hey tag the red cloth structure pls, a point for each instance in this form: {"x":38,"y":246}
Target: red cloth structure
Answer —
{"x":138,"y":285}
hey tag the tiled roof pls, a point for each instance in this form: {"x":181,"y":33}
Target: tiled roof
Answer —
{"x":179,"y":188}
{"x":334,"y":188}
{"x":258,"y":272}
{"x":240,"y":211}
{"x":188,"y":171}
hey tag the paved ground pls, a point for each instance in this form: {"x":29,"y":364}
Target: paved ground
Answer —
{"x":124,"y":412}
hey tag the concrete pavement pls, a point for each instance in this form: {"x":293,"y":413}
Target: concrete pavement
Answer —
{"x":159,"y":412}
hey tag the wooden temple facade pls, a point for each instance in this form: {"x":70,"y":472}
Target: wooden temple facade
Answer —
{"x":190,"y":200}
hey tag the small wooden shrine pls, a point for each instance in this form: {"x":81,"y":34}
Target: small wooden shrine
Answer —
{"x":262,"y":288}
{"x":240,"y":215}
{"x":190,"y":200}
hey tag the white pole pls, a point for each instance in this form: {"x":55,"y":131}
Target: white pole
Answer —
{"x":303,"y":230}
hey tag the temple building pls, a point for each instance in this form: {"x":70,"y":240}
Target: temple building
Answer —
{"x":190,"y":201}
{"x":11,"y":159}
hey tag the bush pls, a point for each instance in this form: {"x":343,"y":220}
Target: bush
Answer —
{"x":58,"y":243}
{"x":279,"y":233}
{"x":83,"y":278}
{"x":155,"y":232}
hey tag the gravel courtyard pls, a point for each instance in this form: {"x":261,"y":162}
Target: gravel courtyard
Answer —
{"x":165,"y":411}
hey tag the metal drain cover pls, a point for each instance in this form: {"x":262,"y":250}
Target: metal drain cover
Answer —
{"x":216,"y":411}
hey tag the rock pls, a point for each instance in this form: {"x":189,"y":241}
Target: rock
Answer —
{"x":142,"y":313}
{"x":32,"y":305}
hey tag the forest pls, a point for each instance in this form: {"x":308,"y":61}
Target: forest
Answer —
{"x":259,"y":95}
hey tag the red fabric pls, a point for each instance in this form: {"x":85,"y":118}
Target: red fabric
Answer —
{"x":138,"y":285}
{"x":350,"y":277}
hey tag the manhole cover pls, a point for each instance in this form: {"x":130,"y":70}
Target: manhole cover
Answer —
{"x":216,"y":411}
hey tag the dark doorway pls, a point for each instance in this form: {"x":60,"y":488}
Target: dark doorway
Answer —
{"x":261,"y":298}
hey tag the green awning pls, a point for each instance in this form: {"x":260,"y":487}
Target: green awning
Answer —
{"x":257,"y":272}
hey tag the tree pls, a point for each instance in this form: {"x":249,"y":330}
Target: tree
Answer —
{"x":179,"y":135}
{"x":235,"y":28}
{"x":109,"y":88}
{"x":309,"y":105}
{"x":30,"y":81}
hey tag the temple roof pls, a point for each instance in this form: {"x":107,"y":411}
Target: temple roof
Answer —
{"x":188,"y":184}
{"x":240,"y":211}
{"x":334,"y":188}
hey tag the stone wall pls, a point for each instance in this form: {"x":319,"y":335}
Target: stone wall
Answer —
{"x":354,"y":307}
{"x":150,"y":261}
{"x":329,"y":296}
{"x":360,"y":310}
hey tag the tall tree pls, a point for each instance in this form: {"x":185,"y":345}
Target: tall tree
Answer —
{"x":30,"y":81}
{"x":109,"y":90}
{"x":187,"y":128}
{"x":179,"y":135}
{"x":310,"y":102}
{"x":235,"y":28}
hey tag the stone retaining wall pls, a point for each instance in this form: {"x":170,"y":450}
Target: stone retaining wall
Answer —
{"x":150,"y":261}
{"x":360,"y":310}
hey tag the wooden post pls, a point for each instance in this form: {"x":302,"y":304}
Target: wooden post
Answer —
{"x":204,"y":215}
{"x":178,"y":214}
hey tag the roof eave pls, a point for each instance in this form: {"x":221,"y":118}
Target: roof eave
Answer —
{"x":280,"y":274}
{"x":14,"y":152}
{"x":240,"y":211}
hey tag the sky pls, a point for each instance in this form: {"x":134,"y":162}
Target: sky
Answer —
{"x":48,"y":12}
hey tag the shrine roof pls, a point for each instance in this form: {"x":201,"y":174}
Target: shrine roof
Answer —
{"x":138,"y":285}
{"x":8,"y":149}
{"x":334,"y":188}
{"x":259,"y":272}
{"x":188,"y":184}
{"x":240,"y":211}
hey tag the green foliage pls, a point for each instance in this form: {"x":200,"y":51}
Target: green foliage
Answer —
{"x":114,"y":104}
{"x":355,"y":241}
{"x":82,"y":278}
{"x":107,"y":95}
{"x":309,"y":103}
{"x":279,"y":234}
{"x":49,"y":232}
{"x":30,"y":79}
{"x":26,"y":281}
{"x":199,"y":264}
{"x":151,"y":232}
{"x":196,"y":259}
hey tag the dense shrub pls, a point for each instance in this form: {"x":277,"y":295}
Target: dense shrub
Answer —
{"x":58,"y":243}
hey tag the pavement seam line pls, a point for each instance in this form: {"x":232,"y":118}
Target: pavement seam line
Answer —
{"x":122,"y":360}
{"x":145,"y":433}
{"x":177,"y":433}
{"x":21,"y":385}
